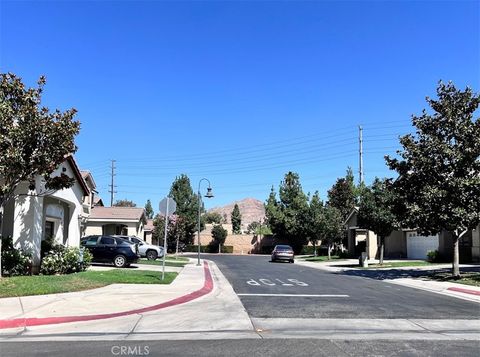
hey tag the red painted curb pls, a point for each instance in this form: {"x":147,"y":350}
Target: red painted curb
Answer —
{"x":33,"y":321}
{"x":466,"y":291}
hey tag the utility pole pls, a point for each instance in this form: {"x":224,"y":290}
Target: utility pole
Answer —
{"x":112,"y":186}
{"x":360,"y":151}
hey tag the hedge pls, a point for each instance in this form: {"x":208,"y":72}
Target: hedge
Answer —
{"x":209,"y":248}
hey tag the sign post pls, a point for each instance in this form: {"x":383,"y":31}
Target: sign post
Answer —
{"x":167,"y":207}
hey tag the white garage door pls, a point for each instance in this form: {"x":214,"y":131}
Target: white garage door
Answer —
{"x":418,"y":246}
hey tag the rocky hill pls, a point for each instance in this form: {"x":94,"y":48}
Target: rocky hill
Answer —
{"x":251,"y":210}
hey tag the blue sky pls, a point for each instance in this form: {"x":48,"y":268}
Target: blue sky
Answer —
{"x":238,"y":92}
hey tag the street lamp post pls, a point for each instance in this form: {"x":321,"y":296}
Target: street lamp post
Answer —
{"x":208,"y":195}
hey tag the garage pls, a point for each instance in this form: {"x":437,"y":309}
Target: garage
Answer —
{"x":418,"y":246}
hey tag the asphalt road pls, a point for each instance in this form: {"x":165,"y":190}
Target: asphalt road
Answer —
{"x":265,"y":290}
{"x":292,"y":347}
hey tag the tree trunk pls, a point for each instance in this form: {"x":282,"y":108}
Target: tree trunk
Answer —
{"x":382,"y":248}
{"x":456,"y":257}
{"x":219,"y":248}
{"x":1,"y":237}
{"x":329,"y":250}
{"x":314,"y":249}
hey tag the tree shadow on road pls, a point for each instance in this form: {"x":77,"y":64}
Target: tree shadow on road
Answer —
{"x":441,"y":274}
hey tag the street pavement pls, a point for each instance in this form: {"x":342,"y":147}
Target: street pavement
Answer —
{"x":249,"y":306}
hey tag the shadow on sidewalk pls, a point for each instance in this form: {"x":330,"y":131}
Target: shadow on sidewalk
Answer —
{"x":442,"y":274}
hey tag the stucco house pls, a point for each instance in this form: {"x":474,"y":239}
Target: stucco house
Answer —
{"x":34,"y":215}
{"x":116,"y":220}
{"x":407,"y":243}
{"x":148,"y":232}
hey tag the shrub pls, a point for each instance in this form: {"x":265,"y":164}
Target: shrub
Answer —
{"x":63,"y":260}
{"x":433,"y":256}
{"x":14,"y":261}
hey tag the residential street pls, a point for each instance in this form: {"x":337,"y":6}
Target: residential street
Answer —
{"x":321,"y":294}
{"x":249,"y":306}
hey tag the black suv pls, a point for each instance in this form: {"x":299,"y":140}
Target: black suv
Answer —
{"x":108,"y":249}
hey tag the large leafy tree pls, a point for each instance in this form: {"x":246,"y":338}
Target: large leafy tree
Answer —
{"x":314,"y":221}
{"x":219,"y":234}
{"x":149,"y":209}
{"x":236,"y":218}
{"x":33,"y":140}
{"x":439,"y":167}
{"x":377,"y":211}
{"x":187,"y":208}
{"x":332,"y":228}
{"x":213,"y":217}
{"x":124,"y":203}
{"x":343,"y":194}
{"x":285,"y":216}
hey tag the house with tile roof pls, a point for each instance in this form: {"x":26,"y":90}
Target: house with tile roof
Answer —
{"x":35,"y":213}
{"x":116,"y":220}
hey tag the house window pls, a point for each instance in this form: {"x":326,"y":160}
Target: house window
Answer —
{"x":49,"y":229}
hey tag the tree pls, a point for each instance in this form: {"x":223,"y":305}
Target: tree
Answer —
{"x":187,"y":208}
{"x":124,"y":203}
{"x":33,"y":140}
{"x":213,"y":217}
{"x":219,"y":234}
{"x":343,"y":194}
{"x":236,"y":218}
{"x":314,"y":221}
{"x":149,"y":209}
{"x":285,"y":216}
{"x":377,"y":211}
{"x":439,"y":167}
{"x":332,"y":227}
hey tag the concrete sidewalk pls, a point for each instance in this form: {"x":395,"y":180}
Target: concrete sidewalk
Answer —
{"x":461,"y":291}
{"x":191,"y":313}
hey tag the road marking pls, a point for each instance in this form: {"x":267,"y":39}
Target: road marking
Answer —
{"x":296,"y":295}
{"x":268,"y":282}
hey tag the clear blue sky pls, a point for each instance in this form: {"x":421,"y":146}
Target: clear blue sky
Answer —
{"x":238,"y":92}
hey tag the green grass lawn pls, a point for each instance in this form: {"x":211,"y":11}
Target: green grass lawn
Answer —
{"x":467,"y":278}
{"x":322,"y":258}
{"x":169,"y":262}
{"x":399,"y":264}
{"x":51,"y":284}
{"x":177,"y":258}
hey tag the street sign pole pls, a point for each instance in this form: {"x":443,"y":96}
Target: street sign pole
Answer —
{"x":165,"y":241}
{"x":167,"y":207}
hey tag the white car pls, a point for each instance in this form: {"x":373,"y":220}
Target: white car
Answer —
{"x":149,"y":251}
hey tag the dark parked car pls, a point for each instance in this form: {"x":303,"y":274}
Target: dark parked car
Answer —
{"x":108,"y":249}
{"x":283,"y":252}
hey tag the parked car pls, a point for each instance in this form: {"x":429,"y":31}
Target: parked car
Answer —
{"x":110,"y":249}
{"x":283,"y":252}
{"x":149,"y":251}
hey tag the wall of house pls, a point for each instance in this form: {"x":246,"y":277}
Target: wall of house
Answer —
{"x":8,"y":219}
{"x":74,"y":198}
{"x":445,"y":245}
{"x":96,"y":228}
{"x":396,"y":245}
{"x":372,"y":245}
{"x":476,"y":244}
{"x":28,"y":224}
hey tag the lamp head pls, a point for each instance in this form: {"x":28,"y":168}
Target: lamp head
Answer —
{"x":209,"y":193}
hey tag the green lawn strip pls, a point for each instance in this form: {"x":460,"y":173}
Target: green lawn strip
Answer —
{"x":168,"y":262}
{"x":467,"y":278}
{"x":177,"y":258}
{"x":321,"y":258}
{"x":399,"y":264}
{"x":52,"y":284}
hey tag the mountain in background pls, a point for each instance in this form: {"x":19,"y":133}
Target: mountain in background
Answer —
{"x":251,"y":209}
